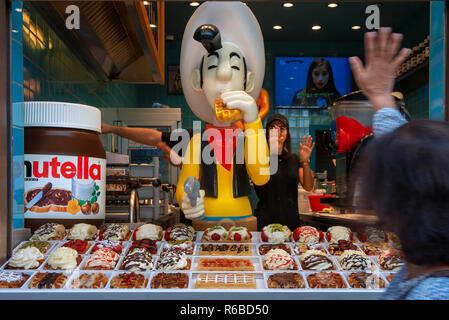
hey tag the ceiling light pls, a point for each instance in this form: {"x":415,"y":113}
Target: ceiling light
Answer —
{"x":287,"y":5}
{"x":146,"y":3}
{"x":18,"y":9}
{"x":153,"y":25}
{"x":355,"y":27}
{"x":277,"y":27}
{"x":333,"y":5}
{"x":316,"y":27}
{"x":194,"y":4}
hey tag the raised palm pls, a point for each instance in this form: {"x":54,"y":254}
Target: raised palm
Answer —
{"x":305,"y":148}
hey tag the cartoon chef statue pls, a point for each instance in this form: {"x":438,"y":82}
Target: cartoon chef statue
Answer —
{"x":222,"y":68}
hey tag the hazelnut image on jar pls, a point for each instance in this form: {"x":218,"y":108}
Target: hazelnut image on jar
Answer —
{"x":95,"y":208}
{"x":85,"y":208}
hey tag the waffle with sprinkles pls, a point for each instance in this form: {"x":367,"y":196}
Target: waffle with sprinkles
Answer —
{"x":12,"y":279}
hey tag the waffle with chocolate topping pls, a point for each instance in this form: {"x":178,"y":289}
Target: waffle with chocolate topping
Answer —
{"x":148,"y":245}
{"x":316,"y":261}
{"x":365,"y":280}
{"x":375,"y":248}
{"x":12,"y":279}
{"x":138,"y":259}
{"x":129,"y":281}
{"x":185,"y":246}
{"x":49,"y":231}
{"x":170,"y":281}
{"x":285,"y":280}
{"x":115,"y":232}
{"x":90,"y":281}
{"x":225,"y":250}
{"x":48,"y":280}
{"x":264,"y":248}
{"x":337,"y":249}
{"x":325,"y":279}
{"x":172,"y":259}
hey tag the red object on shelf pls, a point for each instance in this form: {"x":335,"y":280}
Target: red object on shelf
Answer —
{"x":315,"y":201}
{"x":349,"y":133}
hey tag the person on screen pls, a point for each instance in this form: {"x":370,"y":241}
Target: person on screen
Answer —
{"x":320,"y":89}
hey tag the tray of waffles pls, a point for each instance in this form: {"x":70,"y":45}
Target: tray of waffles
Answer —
{"x":228,"y":264}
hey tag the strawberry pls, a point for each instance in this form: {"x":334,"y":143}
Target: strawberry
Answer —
{"x":264,"y":236}
{"x":321,"y":235}
{"x":167,"y":234}
{"x":296,"y":233}
{"x":100,"y":235}
{"x":328,"y":236}
{"x":249,"y":233}
{"x":237,"y":237}
{"x":215,"y":237}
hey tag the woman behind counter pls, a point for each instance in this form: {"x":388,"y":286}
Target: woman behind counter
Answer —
{"x":278,"y":198}
{"x":320,"y":88}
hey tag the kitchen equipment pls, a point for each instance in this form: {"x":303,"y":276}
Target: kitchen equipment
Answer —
{"x":315,"y":201}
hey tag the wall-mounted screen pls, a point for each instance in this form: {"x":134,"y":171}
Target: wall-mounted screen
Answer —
{"x":310,"y":82}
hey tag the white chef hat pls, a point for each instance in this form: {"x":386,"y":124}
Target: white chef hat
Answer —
{"x":237,"y":25}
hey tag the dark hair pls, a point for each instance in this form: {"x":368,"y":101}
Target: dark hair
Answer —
{"x":330,"y":85}
{"x":287,"y":143}
{"x":405,"y":178}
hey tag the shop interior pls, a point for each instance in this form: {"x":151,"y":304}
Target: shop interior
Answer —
{"x":124,"y":59}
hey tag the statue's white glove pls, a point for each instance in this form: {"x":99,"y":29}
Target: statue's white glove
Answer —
{"x":195,"y":212}
{"x":242,"y":101}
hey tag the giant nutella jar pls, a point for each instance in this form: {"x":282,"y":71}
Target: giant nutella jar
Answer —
{"x":64,"y":165}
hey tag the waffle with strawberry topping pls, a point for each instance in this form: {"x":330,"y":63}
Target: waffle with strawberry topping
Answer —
{"x":308,"y":235}
{"x":278,"y":259}
{"x":102,"y":259}
{"x":275,"y":233}
{"x":113,"y":245}
{"x":239,"y":234}
{"x":337,"y":233}
{"x":215,"y":234}
{"x":223,"y":264}
{"x":372,"y":235}
{"x":81,"y":246}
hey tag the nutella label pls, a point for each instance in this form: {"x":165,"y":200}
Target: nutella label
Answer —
{"x":64,"y":187}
